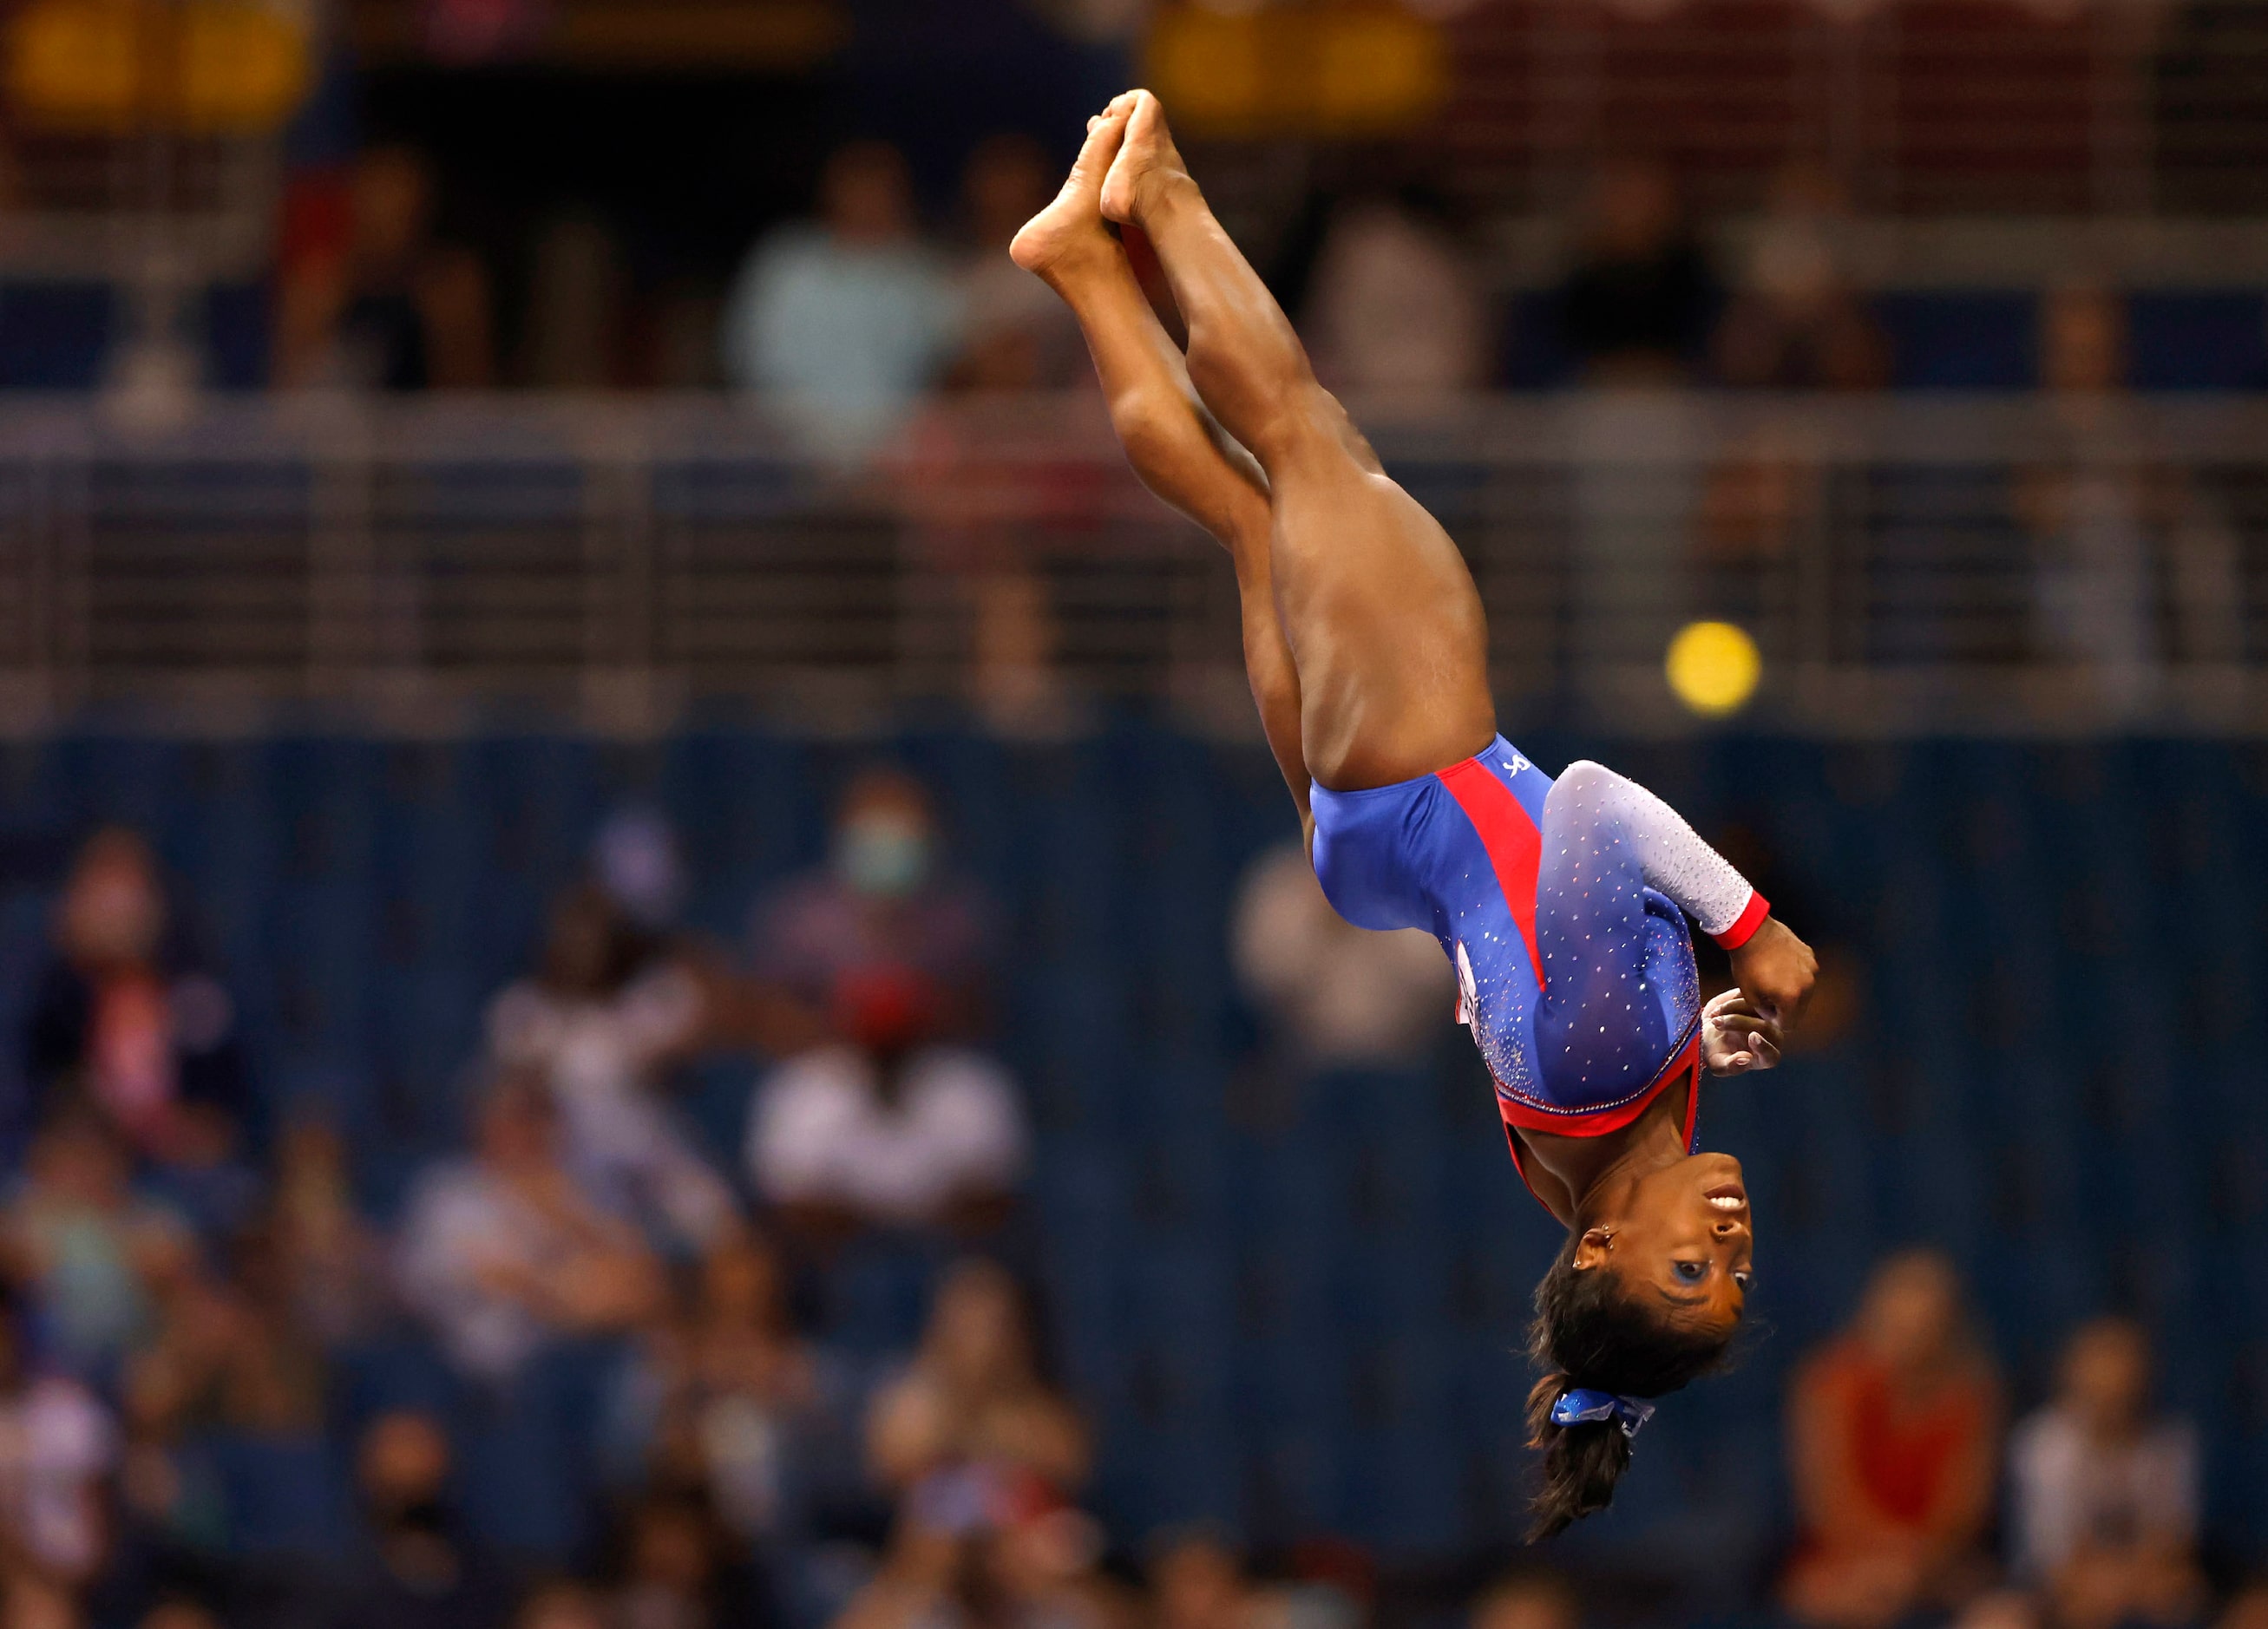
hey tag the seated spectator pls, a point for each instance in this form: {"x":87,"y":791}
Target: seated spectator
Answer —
{"x":849,"y":318}
{"x":881,"y":1132}
{"x":1527,"y":1600}
{"x":371,"y":300}
{"x":731,"y":1402}
{"x":122,"y":1021}
{"x":1795,"y":321}
{"x":885,"y":899}
{"x":227,"y":1355}
{"x":330,"y":1263}
{"x":1335,"y":994}
{"x":598,"y":1023}
{"x":677,"y":1574}
{"x":1893,"y":1438}
{"x":87,"y":1247}
{"x":973,"y":1394}
{"x":418,"y":1569}
{"x":1635,"y":307}
{"x":1196,"y":1581}
{"x":1015,"y":334}
{"x":503,"y":1253}
{"x":978,"y":1546}
{"x":1395,"y":308}
{"x":57,"y":1446}
{"x":2104,"y":1494}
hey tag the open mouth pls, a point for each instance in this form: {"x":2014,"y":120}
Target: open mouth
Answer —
{"x":1728,"y":1196}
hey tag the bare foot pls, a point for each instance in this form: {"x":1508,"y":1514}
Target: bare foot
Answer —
{"x":1147,"y":159}
{"x":1073,"y":222}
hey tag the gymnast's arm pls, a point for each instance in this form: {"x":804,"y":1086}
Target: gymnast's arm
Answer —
{"x":1774,"y":968}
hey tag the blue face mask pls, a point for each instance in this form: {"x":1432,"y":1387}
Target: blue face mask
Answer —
{"x":884,"y":856}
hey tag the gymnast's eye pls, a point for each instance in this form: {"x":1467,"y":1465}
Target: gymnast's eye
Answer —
{"x":1689,"y":1272}
{"x":1744,"y":1278}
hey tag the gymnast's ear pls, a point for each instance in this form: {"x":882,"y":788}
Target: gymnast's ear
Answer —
{"x":1592,"y":1248}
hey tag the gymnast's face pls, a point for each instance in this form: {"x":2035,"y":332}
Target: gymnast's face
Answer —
{"x":1680,"y":1234}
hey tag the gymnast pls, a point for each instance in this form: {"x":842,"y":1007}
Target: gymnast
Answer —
{"x":1561,"y":902}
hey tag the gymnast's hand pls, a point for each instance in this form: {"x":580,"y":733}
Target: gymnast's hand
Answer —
{"x":1775,"y":971}
{"x":1736,"y":1038}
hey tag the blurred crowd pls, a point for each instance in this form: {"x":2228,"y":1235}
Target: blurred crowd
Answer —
{"x":852,"y":316}
{"x":600,"y":1369}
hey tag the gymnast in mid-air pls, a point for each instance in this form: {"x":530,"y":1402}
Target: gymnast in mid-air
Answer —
{"x":1562,"y":903}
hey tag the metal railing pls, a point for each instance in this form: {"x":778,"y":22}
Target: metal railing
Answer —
{"x":1905,"y":565}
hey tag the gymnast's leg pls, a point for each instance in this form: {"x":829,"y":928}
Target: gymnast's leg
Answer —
{"x":1175,"y":446}
{"x":1375,"y":602}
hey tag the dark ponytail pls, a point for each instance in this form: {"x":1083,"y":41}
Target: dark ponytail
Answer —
{"x":1589,"y":1331}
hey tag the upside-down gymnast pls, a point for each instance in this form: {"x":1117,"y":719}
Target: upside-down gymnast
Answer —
{"x":1559,"y":902}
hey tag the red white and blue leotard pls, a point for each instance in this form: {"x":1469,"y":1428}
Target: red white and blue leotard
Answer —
{"x":1559,"y":903}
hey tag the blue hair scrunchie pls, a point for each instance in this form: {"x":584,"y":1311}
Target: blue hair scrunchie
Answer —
{"x":1580,"y":1405}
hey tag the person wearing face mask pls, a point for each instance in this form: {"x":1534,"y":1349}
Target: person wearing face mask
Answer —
{"x":118,"y":1023}
{"x":884,"y":900}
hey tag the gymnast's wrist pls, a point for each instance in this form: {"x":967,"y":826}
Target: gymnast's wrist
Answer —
{"x":1744,"y":927}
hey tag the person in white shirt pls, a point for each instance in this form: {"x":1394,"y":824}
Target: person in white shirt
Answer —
{"x":2105,"y":1491}
{"x":600,"y":1028}
{"x":881,"y":1131}
{"x":502,"y":1253}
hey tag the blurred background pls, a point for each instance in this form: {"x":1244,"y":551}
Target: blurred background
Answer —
{"x":652,"y":976}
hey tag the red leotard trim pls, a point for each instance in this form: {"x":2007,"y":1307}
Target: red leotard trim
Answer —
{"x":1515,"y":847}
{"x":1686,"y":1063}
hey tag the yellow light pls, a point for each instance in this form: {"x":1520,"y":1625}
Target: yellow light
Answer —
{"x":1712,"y":667}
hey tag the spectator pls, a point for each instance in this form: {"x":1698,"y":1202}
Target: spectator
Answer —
{"x":1334,"y":994}
{"x":419,"y":1569}
{"x":57,"y":1445}
{"x":88,"y":1248}
{"x":2105,"y":1495}
{"x":2094,"y":597}
{"x":1196,"y":1581}
{"x":121,"y":1021}
{"x":1795,"y":321}
{"x":598,"y":1023}
{"x":676,"y":1575}
{"x":973,"y":1394}
{"x":849,"y":320}
{"x":1893,"y":1433}
{"x":1395,"y":308}
{"x":1527,"y":1600}
{"x":375,"y":302}
{"x":329,"y":1262}
{"x":978,"y":1547}
{"x":884,"y":900}
{"x":731,"y":1402}
{"x":1016,"y":334}
{"x":881,"y":1132}
{"x":1635,"y":307}
{"x":228,"y":1355}
{"x":503,"y":1253}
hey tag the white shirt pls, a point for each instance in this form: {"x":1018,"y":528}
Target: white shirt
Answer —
{"x":2070,"y":1491}
{"x":464,"y":1223}
{"x":599,"y":1058}
{"x":820,"y":1131}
